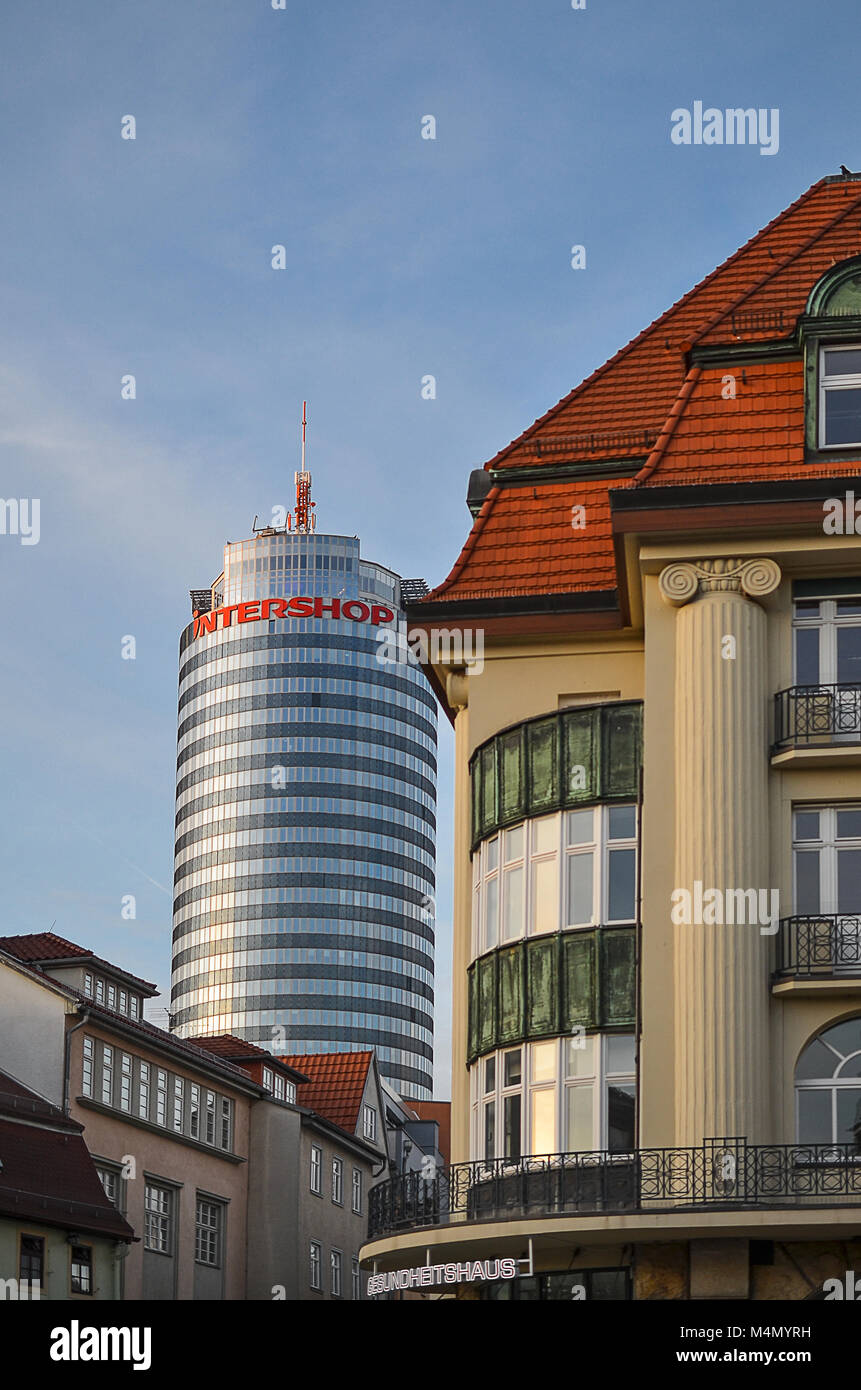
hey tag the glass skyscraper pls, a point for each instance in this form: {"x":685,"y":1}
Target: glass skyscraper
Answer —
{"x":305,"y":811}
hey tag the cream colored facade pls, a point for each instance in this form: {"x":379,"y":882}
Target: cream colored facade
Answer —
{"x":718,"y":1038}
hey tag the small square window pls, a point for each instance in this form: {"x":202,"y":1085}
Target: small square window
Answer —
{"x":580,"y":825}
{"x":807,"y":825}
{"x":512,"y":1068}
{"x":82,"y":1269}
{"x":622,"y":823}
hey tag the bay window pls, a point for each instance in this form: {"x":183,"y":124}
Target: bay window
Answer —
{"x":562,"y":1095}
{"x":572,"y":869}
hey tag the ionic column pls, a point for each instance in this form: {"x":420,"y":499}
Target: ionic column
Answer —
{"x":721,"y":971}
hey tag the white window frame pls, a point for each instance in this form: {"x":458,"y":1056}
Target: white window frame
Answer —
{"x":834,"y":383}
{"x":158,"y":1218}
{"x":110,"y":1180}
{"x":488,"y":934}
{"x":369,"y":1123}
{"x":88,"y":1068}
{"x":125,"y":1082}
{"x":599,"y":1080}
{"x":827,"y":622}
{"x":316,"y":1175}
{"x":161,"y":1097}
{"x":826,"y":846}
{"x":178,"y":1104}
{"x":207,"y":1232}
{"x":357,"y":1191}
{"x":143,"y":1090}
{"x":316,"y":1257}
{"x":336,"y":1264}
{"x":338,"y":1181}
{"x":106,"y":1090}
{"x":832,"y":1084}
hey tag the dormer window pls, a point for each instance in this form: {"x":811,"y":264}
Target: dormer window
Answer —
{"x":839,"y":397}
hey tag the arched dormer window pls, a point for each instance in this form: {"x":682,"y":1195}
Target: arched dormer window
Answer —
{"x":830,"y":331}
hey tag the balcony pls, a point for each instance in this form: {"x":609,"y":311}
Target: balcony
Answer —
{"x":818,"y":954}
{"x":721,"y":1177}
{"x":817,"y":725}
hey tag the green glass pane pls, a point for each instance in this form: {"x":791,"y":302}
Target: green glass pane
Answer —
{"x":486,"y":1028}
{"x":618,"y":992}
{"x":488,"y":786}
{"x":512,"y":803}
{"x":620,"y":750}
{"x":542,"y":741}
{"x":578,"y":980}
{"x":542,"y":992}
{"x":581,"y":756}
{"x":472,"y":1029}
{"x":475,"y":789}
{"x":511,"y":995}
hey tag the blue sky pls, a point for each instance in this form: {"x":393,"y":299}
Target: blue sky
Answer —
{"x":405,"y":257}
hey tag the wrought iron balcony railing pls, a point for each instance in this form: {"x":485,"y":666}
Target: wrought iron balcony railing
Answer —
{"x":719,"y":1173}
{"x":825,"y":945}
{"x":811,"y":715}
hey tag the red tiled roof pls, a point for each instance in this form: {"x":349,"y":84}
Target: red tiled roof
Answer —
{"x":233,"y":1049}
{"x":336,"y":1086}
{"x":39,"y":947}
{"x":645,"y":403}
{"x":47,"y":1174}
{"x":42,"y":945}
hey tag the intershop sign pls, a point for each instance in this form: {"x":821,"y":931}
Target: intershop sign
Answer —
{"x":264,"y":610}
{"x":425,"y":1276}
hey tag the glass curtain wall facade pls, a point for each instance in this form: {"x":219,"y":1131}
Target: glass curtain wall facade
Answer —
{"x":305,"y":818}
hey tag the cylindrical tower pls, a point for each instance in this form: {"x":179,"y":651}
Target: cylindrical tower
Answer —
{"x":305,"y":811}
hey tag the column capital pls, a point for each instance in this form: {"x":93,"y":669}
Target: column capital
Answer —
{"x":679,"y":583}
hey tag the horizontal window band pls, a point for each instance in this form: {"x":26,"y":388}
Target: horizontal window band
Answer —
{"x":551,"y":985}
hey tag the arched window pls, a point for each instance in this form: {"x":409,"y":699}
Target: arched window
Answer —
{"x":828,"y":1087}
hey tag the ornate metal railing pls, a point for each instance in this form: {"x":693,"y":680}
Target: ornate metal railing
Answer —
{"x":719,"y":1173}
{"x":817,"y":714}
{"x":826,"y":944}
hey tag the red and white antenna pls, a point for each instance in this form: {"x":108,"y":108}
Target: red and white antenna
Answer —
{"x":303,"y":519}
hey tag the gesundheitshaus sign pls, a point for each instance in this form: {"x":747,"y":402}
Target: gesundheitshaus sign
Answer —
{"x":426,"y":1276}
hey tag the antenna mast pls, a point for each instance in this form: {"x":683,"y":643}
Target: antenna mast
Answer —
{"x":303,"y":519}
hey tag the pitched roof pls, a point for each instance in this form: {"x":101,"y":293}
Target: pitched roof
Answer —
{"x":233,"y":1049}
{"x":649,"y":408}
{"x":41,"y":948}
{"x":185,"y":1049}
{"x":47,"y":1175}
{"x":336,"y":1085}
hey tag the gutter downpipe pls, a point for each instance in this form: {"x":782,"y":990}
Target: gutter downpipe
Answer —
{"x":67,"y":1060}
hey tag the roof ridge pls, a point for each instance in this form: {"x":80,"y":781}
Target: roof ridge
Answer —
{"x":651,"y":327}
{"x":672,"y":420}
{"x":778,"y":269}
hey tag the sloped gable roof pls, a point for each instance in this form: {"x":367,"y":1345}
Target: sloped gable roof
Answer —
{"x":336,"y":1085}
{"x":646,"y":405}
